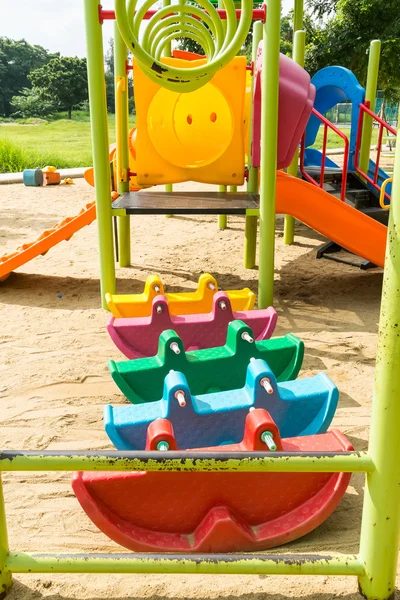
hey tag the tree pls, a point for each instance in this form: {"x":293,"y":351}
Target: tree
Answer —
{"x":344,"y":38}
{"x":109,"y":75}
{"x":17,"y":59}
{"x":30,"y":104}
{"x":286,"y":36}
{"x":63,"y":81}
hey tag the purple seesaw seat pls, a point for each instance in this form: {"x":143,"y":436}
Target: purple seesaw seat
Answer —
{"x":138,"y":337}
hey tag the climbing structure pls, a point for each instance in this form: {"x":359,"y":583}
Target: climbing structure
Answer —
{"x":194,"y":116}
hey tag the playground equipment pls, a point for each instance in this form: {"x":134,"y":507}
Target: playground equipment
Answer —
{"x":138,"y":337}
{"x":178,"y":100}
{"x":375,"y":563}
{"x":220,"y":368}
{"x":171,"y":143}
{"x":191,"y":136}
{"x":64,"y":230}
{"x":180,"y":303}
{"x":361,"y":180}
{"x":345,"y":225}
{"x":228,"y":517}
{"x":301,"y":407}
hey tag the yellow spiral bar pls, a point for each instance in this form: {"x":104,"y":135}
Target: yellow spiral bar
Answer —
{"x":201,"y":23}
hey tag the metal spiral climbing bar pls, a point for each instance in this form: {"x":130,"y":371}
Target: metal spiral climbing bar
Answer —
{"x":200,"y":23}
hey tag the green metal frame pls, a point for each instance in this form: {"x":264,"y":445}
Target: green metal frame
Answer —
{"x":122,"y":121}
{"x":366,"y":565}
{"x":167,"y":52}
{"x":268,"y":161}
{"x":99,"y":129}
{"x":370,"y":96}
{"x":251,"y":223}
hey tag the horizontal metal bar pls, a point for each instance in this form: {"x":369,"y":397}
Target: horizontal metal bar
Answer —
{"x":239,"y":564}
{"x":382,"y":122}
{"x":285,"y":462}
{"x":259,"y":14}
{"x":118,"y":212}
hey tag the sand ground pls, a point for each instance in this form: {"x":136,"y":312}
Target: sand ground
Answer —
{"x":54,"y":379}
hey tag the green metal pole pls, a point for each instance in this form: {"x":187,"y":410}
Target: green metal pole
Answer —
{"x":99,"y":129}
{"x":255,"y":462}
{"x":211,"y":564}
{"x":298,"y":15}
{"x":250,"y":232}
{"x":380,"y":530}
{"x":370,"y":96}
{"x":122,"y":121}
{"x":269,"y":140}
{"x":222,"y":219}
{"x":299,"y":48}
{"x":5,"y":573}
{"x":167,"y":52}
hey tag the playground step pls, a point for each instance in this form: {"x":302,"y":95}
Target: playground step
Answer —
{"x":377,"y":213}
{"x":358,"y":195}
{"x":184,"y":203}
{"x":329,"y":172}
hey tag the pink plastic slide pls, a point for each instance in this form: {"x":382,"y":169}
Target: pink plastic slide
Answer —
{"x":296,"y":99}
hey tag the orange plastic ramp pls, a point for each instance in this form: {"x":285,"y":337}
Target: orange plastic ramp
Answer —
{"x":64,"y":230}
{"x":331,"y":217}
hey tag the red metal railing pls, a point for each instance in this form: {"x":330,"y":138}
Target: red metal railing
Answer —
{"x":327,"y":125}
{"x":259,"y":14}
{"x":374,"y":181}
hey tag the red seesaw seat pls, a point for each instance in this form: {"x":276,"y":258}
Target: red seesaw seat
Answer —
{"x":214,"y":512}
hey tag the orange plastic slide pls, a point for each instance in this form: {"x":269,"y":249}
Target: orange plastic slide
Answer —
{"x":331,"y":217}
{"x":64,"y":230}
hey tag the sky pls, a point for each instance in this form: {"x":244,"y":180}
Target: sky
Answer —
{"x":57,"y":25}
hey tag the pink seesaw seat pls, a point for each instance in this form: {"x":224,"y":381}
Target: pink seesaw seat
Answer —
{"x":137,"y":337}
{"x":296,"y":99}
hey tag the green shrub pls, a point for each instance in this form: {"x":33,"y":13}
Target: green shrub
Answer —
{"x":30,"y":104}
{"x":14,"y":159}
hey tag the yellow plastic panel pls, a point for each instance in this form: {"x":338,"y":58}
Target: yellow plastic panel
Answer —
{"x":198,"y":136}
{"x":180,"y":303}
{"x":212,"y":129}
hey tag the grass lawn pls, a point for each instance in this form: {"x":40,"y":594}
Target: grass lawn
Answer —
{"x":61,"y":143}
{"x":65,"y":143}
{"x":335,"y":141}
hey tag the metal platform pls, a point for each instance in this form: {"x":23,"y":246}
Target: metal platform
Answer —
{"x":187,"y":203}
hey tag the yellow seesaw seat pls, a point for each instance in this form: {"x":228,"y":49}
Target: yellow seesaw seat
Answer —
{"x":194,"y":136}
{"x":180,"y":303}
